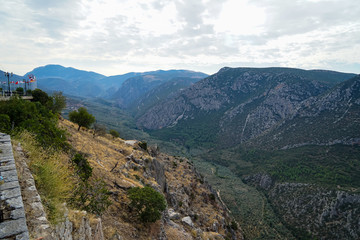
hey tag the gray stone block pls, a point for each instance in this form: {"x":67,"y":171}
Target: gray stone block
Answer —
{"x":23,"y":236}
{"x":15,"y":202}
{"x":11,"y":228}
{"x":7,"y":167}
{"x":17,"y":213}
{"x":10,"y":193}
{"x":9,"y":185}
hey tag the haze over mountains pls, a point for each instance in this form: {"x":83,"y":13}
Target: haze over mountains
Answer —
{"x":123,"y":88}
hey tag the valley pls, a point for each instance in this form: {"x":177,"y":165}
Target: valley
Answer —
{"x":280,"y":145}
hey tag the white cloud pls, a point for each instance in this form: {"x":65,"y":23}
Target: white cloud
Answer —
{"x":117,"y":36}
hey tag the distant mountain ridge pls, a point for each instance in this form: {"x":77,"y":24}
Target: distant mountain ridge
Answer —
{"x":135,"y":87}
{"x":81,"y":83}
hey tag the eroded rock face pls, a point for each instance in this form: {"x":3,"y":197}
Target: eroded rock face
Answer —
{"x":245,"y":103}
{"x":324,"y":213}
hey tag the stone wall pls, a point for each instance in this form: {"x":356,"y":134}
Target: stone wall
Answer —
{"x":12,"y":214}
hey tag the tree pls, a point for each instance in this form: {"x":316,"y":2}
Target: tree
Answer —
{"x":82,"y":118}
{"x":20,"y":90}
{"x":114,"y":133}
{"x":147,"y":202}
{"x":58,"y":102}
{"x":41,"y":96}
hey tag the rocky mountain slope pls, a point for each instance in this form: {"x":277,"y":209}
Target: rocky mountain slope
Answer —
{"x":313,"y":211}
{"x":159,"y":94}
{"x":193,"y":211}
{"x":134,"y":88}
{"x":331,"y":118}
{"x":291,"y":134}
{"x":237,"y":105}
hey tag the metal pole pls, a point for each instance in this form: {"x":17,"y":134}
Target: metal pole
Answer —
{"x":8,"y":75}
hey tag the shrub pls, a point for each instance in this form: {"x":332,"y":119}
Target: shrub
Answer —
{"x":114,"y":133}
{"x":41,"y":97}
{"x":143,"y":145}
{"x":37,"y":119}
{"x":99,"y":130}
{"x":58,"y":102}
{"x":147,"y":203}
{"x":91,"y":196}
{"x":20,"y":90}
{"x":83,"y":167}
{"x":4,"y":123}
{"x":82,"y":118}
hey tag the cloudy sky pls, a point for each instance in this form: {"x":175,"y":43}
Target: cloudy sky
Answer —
{"x":118,"y":36}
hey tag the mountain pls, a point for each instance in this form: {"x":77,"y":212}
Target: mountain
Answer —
{"x":81,"y":83}
{"x":282,"y":142}
{"x":236,"y":105}
{"x":134,"y":88}
{"x":113,"y":83}
{"x":331,"y":118}
{"x":160,"y":93}
{"x":4,"y":81}
{"x":69,"y":80}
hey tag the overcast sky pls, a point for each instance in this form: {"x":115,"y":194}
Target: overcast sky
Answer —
{"x":117,"y":36}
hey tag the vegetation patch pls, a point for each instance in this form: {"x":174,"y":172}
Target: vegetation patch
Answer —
{"x":147,"y":203}
{"x":53,"y":176}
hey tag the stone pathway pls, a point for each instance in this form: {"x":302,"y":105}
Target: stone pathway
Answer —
{"x":12,"y":214}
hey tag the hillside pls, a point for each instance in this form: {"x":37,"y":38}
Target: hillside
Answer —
{"x":134,"y":88}
{"x":288,"y":137}
{"x":123,"y":165}
{"x":159,"y":94}
{"x":236,"y":105}
{"x":331,"y":118}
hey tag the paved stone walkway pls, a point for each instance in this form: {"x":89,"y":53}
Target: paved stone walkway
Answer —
{"x":12,"y":214}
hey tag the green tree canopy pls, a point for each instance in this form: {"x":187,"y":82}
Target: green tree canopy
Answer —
{"x":58,"y":102}
{"x":41,"y":96}
{"x":147,"y":202}
{"x":82,"y":118}
{"x":114,"y":133}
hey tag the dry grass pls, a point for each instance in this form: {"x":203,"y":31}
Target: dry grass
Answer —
{"x":52,"y":174}
{"x":175,"y":234}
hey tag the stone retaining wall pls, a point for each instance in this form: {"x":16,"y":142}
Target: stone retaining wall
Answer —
{"x":12,"y":214}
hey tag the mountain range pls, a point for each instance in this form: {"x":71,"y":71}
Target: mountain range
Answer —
{"x":123,"y":89}
{"x":239,"y":105}
{"x":282,"y":144}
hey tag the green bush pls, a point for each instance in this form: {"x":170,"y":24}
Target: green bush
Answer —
{"x":91,"y":196}
{"x":20,"y":90}
{"x":4,"y":123}
{"x":37,"y":119}
{"x":147,"y":203}
{"x":83,"y":167}
{"x":143,"y":145}
{"x":58,"y":102}
{"x":41,"y":97}
{"x":82,"y":118}
{"x":114,"y":133}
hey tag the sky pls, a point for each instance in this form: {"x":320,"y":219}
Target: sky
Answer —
{"x":118,"y":36}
